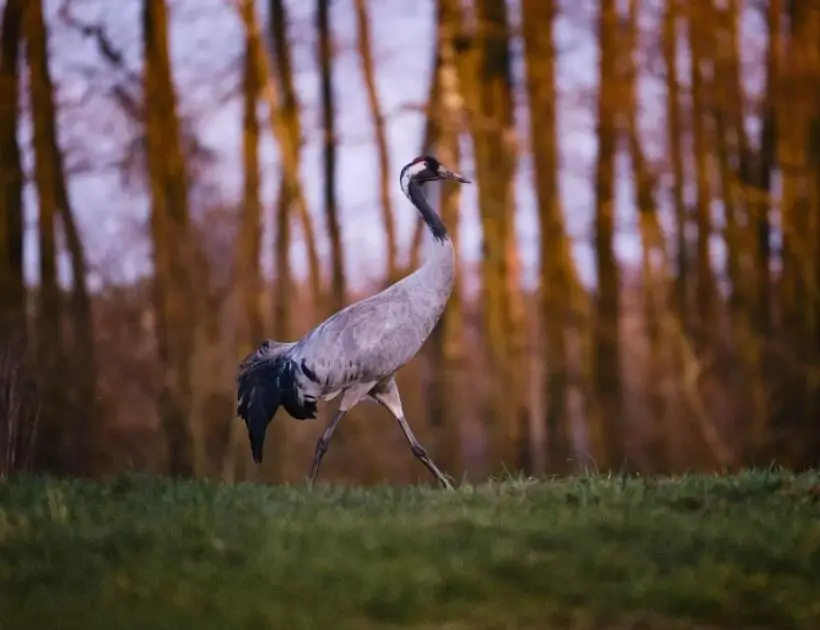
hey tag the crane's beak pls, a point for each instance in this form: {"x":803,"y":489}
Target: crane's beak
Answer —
{"x":444,"y":173}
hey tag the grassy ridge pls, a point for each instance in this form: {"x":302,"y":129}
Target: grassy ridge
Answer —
{"x":589,"y":552}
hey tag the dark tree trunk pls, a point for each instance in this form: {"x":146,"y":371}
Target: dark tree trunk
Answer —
{"x":337,"y":285}
{"x":765,"y":169}
{"x":12,"y":287}
{"x":380,"y":128}
{"x":608,"y":442}
{"x":674,"y":122}
{"x":170,"y":230}
{"x":447,"y":351}
{"x":554,"y":274}
{"x":54,"y":440}
{"x":77,"y":393}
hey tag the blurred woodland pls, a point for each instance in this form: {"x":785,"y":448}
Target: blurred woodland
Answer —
{"x":694,"y":346}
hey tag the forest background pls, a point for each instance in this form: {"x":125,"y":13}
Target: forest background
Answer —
{"x":638,"y":260}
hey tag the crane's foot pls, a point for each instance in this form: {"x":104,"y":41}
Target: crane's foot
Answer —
{"x":447,"y":485}
{"x":421,"y":454}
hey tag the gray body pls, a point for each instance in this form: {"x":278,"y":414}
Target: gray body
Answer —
{"x":367,"y":342}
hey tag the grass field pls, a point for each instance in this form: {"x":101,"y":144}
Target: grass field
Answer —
{"x":589,"y":552}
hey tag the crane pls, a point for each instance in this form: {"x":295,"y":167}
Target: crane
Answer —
{"x":357,"y":351}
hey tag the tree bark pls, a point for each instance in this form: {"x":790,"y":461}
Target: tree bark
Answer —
{"x":758,"y":446}
{"x":555,"y":278}
{"x":284,"y":285}
{"x":54,"y":441}
{"x":797,"y":114}
{"x":675,"y":151}
{"x":282,"y":217}
{"x":79,"y":391}
{"x":733,"y":154}
{"x":485,"y":75}
{"x":366,"y":57}
{"x":765,"y":168}
{"x":249,"y":277}
{"x":699,"y":31}
{"x":12,"y":285}
{"x":445,"y":405}
{"x":811,"y":454}
{"x":654,"y":288}
{"x":732,"y":149}
{"x":250,"y":245}
{"x":288,"y":140}
{"x":174,"y":291}
{"x":607,"y":434}
{"x":797,"y":416}
{"x":337,"y":285}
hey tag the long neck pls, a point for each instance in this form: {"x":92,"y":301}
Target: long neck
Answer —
{"x":416,"y":196}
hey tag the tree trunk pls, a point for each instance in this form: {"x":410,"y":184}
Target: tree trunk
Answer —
{"x":759,"y":211}
{"x":766,"y":165}
{"x":12,"y":287}
{"x":810,"y":454}
{"x":675,"y":150}
{"x":446,"y":405}
{"x":337,"y":286}
{"x":83,"y":353}
{"x":174,"y":291}
{"x":249,"y":277}
{"x":812,"y":427}
{"x":796,"y":117}
{"x":284,"y":288}
{"x":654,"y":289}
{"x":607,"y":434}
{"x":485,"y":77}
{"x":54,"y":441}
{"x":699,"y":30}
{"x":555,"y":277}
{"x":732,"y":148}
{"x":366,"y":57}
{"x":79,"y":391}
{"x":250,"y":245}
{"x":799,"y":207}
{"x":288,"y":139}
{"x":743,"y":376}
{"x":282,"y":218}
{"x":733,"y":166}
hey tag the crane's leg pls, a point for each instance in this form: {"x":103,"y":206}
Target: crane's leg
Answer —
{"x":351,"y":396}
{"x":322,"y":443}
{"x":387,"y":394}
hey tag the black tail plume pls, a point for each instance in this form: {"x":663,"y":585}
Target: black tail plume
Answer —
{"x":266,"y":381}
{"x":259,"y":395}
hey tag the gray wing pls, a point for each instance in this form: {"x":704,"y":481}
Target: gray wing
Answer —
{"x":366,"y":341}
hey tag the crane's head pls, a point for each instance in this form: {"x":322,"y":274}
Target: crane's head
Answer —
{"x":427,"y":169}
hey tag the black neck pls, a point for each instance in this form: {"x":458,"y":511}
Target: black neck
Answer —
{"x":429,"y":215}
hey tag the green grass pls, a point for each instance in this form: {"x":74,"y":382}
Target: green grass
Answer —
{"x":589,"y":552}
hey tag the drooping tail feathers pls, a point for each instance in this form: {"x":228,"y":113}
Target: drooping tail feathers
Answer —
{"x":266,"y":381}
